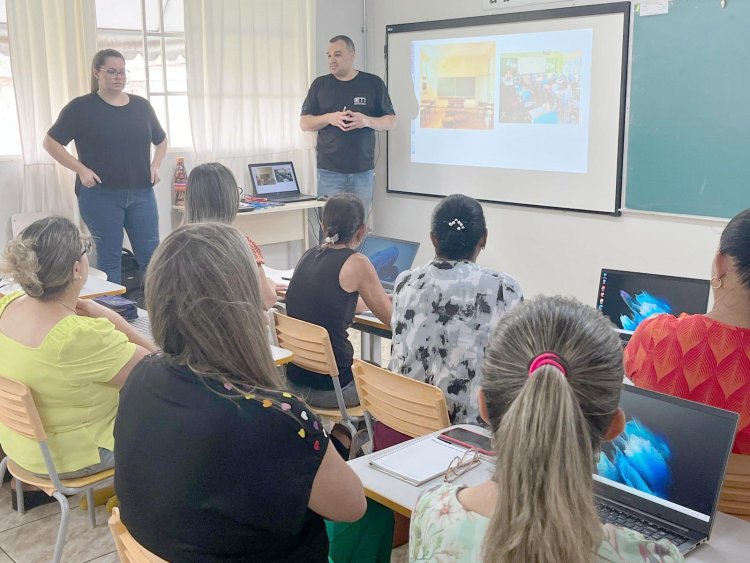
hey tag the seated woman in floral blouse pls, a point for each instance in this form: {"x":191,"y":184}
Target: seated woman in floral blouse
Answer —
{"x":550,"y":391}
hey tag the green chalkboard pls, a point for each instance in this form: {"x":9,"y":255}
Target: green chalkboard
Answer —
{"x":689,"y":137}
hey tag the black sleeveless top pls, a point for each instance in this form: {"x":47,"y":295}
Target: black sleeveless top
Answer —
{"x":315,"y":295}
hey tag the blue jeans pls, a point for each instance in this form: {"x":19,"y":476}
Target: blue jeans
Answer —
{"x":107,"y":212}
{"x":359,"y":184}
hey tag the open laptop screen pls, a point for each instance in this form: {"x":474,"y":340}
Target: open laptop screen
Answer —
{"x":673,"y":452}
{"x":273,"y":178}
{"x":389,"y":256}
{"x":629,"y":298}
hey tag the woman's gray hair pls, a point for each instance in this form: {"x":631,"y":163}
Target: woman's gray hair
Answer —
{"x":548,"y":428}
{"x":41,"y":258}
{"x":211,"y":194}
{"x":204,"y":304}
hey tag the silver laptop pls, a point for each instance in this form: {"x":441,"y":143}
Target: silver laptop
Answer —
{"x":662,"y":476}
{"x":629,"y":298}
{"x":389,"y":256}
{"x":276,"y":181}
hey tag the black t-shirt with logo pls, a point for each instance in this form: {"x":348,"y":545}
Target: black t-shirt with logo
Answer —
{"x":347,"y":152}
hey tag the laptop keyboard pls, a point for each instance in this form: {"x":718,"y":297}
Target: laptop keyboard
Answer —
{"x":651,"y":530}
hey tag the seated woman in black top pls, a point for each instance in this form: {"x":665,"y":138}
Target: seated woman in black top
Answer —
{"x":324,"y":291}
{"x":215,"y":461}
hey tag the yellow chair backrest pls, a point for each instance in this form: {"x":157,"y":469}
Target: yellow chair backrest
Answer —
{"x":735,"y":492}
{"x":406,"y":405}
{"x":129,"y":550}
{"x":310,"y":344}
{"x":18,"y":411}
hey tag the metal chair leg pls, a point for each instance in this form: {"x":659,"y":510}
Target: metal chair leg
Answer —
{"x":62,"y":532}
{"x":19,"y":497}
{"x":91,"y":507}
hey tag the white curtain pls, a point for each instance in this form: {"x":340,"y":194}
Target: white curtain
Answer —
{"x":52,"y":45}
{"x":248,"y":73}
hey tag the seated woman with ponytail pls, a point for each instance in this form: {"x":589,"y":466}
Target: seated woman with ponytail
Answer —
{"x":550,"y":391}
{"x":445,"y":311}
{"x":324,"y":290}
{"x":73,"y":353}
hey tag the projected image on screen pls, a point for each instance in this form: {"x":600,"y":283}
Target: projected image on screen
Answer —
{"x":534,"y":78}
{"x":457,"y":81}
{"x":542,"y":87}
{"x":525,"y":108}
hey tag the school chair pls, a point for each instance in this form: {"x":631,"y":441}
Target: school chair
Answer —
{"x":312,"y":350}
{"x":19,"y":413}
{"x":735,"y":492}
{"x":406,"y":405}
{"x":128,"y":549}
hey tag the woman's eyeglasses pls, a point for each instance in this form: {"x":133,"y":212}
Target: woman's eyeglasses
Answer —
{"x":116,"y":72}
{"x":461,"y":464}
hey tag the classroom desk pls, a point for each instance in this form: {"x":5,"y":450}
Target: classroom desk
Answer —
{"x":730,"y":539}
{"x":277,"y":224}
{"x":372,"y":330}
{"x":94,"y":287}
{"x":280,"y":355}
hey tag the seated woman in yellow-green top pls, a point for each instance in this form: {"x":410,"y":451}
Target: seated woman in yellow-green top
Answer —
{"x":74,"y":354}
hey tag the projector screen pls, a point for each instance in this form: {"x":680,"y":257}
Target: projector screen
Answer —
{"x":524,"y":108}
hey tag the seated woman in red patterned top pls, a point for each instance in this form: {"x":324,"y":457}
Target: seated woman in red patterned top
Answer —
{"x":705,"y":358}
{"x":212,"y":196}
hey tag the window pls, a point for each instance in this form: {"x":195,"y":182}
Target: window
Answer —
{"x":151,"y":36}
{"x":10,"y":139}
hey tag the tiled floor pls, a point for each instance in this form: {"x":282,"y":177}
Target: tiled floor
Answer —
{"x":30,"y":538}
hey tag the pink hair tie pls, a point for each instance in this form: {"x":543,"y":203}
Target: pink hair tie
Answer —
{"x":548,"y":359}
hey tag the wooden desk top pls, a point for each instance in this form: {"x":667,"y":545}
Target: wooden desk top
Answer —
{"x":94,"y":287}
{"x":293,"y":206}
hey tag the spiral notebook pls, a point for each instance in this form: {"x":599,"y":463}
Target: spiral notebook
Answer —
{"x":419,"y":461}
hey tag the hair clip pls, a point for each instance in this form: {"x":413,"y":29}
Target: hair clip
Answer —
{"x":455,"y":222}
{"x":332,"y":240}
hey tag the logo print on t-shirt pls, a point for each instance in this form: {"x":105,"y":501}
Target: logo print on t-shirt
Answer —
{"x":362,"y":101}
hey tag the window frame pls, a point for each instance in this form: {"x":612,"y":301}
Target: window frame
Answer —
{"x":162,"y":36}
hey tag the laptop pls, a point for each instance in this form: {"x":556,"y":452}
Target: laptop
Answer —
{"x":662,"y":476}
{"x":389,"y":256}
{"x":276,"y":181}
{"x":629,"y":298}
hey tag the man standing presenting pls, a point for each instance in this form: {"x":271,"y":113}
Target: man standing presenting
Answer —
{"x":346,"y":107}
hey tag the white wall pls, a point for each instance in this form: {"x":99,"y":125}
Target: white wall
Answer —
{"x":337,"y":17}
{"x":549,"y":252}
{"x":11,"y":191}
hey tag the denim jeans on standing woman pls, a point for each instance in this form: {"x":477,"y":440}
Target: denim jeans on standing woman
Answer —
{"x":107,"y":212}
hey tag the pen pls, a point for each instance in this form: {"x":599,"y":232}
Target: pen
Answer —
{"x":344,"y":109}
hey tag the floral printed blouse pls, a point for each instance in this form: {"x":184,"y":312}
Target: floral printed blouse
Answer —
{"x":443,"y":315}
{"x":443,"y":530}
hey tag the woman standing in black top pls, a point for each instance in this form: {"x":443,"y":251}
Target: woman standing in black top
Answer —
{"x":324,"y":290}
{"x":113,"y":132}
{"x":215,"y":460}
